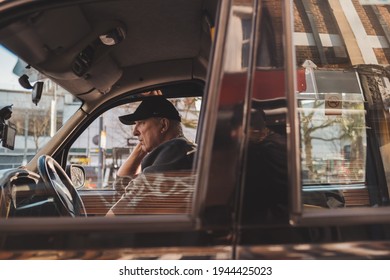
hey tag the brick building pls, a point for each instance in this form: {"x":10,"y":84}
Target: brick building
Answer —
{"x":346,"y":29}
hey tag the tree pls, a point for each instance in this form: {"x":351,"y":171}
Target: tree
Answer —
{"x":39,"y":127}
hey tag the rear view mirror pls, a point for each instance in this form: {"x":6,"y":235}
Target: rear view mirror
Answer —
{"x":37,"y":92}
{"x":36,"y":89}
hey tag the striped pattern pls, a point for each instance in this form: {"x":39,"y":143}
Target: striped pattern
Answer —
{"x":168,"y":193}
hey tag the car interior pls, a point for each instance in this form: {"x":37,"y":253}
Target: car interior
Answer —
{"x":106,"y":54}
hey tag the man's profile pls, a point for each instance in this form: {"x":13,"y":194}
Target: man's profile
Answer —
{"x":162,"y":146}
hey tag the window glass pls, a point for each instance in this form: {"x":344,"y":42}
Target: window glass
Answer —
{"x":342,"y":49}
{"x":333,"y":136}
{"x":35,"y":124}
{"x":101,"y":154}
{"x":106,"y":145}
{"x":265,"y":188}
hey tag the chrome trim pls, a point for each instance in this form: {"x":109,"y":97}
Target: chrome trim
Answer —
{"x":329,"y":187}
{"x":342,"y":216}
{"x":292,"y":125}
{"x":212,"y":89}
{"x":134,"y":223}
{"x":256,"y":6}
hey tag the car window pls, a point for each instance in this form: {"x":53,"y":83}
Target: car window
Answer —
{"x":106,"y":143}
{"x":36,"y":123}
{"x":340,"y":145}
{"x":104,"y":147}
{"x":342,"y":105}
{"x":333,"y":132}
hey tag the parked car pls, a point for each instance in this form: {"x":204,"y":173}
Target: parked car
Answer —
{"x":287,"y":101}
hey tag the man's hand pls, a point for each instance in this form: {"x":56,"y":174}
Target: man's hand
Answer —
{"x":132,"y":165}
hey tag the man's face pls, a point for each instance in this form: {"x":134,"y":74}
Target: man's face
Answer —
{"x":149,"y":133}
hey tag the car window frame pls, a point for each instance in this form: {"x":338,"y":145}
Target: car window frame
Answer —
{"x":207,"y":190}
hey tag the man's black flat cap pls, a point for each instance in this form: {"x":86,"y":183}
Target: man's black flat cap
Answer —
{"x":154,"y":106}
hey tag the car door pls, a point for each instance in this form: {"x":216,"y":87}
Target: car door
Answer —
{"x":314,"y":184}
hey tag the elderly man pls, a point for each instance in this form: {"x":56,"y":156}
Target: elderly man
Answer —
{"x":162,"y":148}
{"x":162,"y":145}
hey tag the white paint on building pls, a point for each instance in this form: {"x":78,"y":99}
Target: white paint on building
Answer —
{"x":334,"y":40}
{"x":359,"y":31}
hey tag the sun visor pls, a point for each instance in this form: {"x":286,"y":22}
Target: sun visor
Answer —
{"x":104,"y":74}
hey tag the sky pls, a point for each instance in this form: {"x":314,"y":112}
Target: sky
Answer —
{"x":8,"y":80}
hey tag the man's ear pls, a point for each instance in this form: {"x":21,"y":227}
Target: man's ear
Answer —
{"x":164,"y":124}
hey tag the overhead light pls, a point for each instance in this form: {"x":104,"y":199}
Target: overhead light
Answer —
{"x":113,"y":37}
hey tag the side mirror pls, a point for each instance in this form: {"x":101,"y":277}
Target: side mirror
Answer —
{"x":76,"y":174}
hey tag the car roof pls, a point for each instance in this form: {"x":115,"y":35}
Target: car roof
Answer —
{"x":164,"y":41}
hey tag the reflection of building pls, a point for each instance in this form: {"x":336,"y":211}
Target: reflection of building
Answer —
{"x":342,"y":26}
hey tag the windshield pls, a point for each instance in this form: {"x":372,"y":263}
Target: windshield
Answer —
{"x":34,"y":124}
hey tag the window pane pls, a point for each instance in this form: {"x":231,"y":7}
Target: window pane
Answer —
{"x":343,"y":103}
{"x":333,"y":138}
{"x":117,"y":141}
{"x":152,"y":193}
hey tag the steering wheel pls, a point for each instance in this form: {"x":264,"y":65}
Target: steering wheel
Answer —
{"x":57,"y":182}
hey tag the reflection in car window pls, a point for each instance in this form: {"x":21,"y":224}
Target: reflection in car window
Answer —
{"x":343,"y":104}
{"x":333,"y":137}
{"x":265,"y":193}
{"x":35,"y":124}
